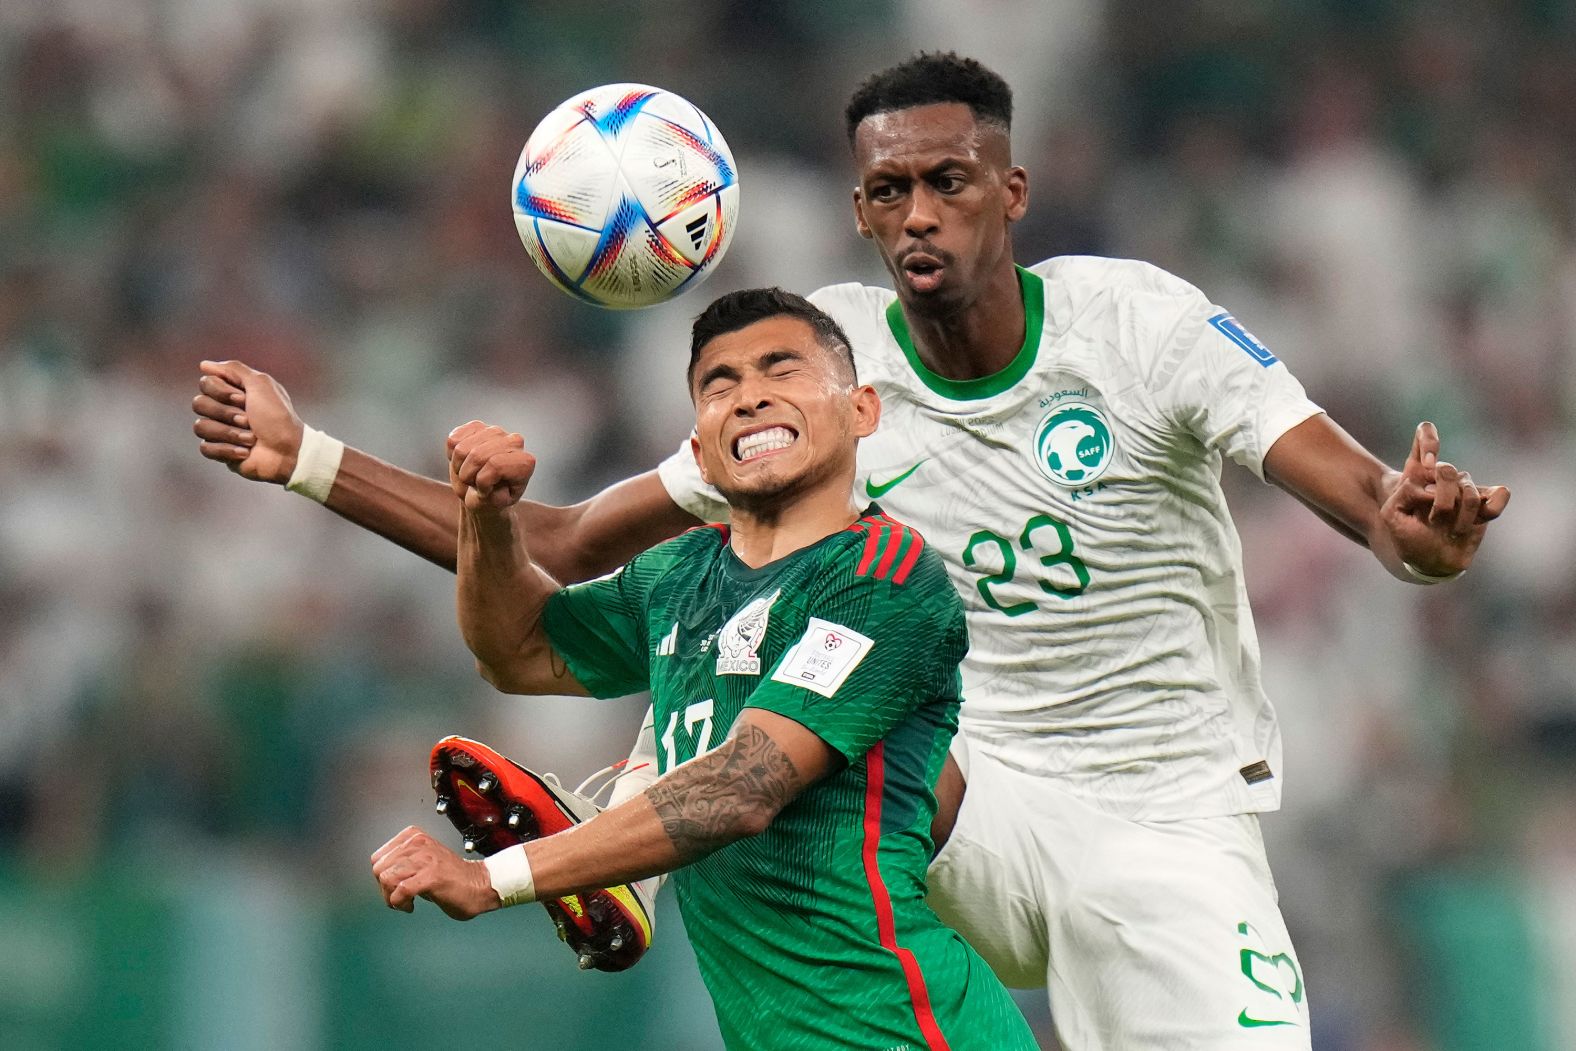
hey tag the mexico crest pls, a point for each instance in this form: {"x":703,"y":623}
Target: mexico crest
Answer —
{"x":739,"y":642}
{"x":1073,"y":444}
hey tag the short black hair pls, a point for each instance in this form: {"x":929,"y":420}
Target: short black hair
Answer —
{"x":928,"y":78}
{"x":736,"y":310}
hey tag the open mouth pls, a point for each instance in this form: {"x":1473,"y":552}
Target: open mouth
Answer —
{"x":923,"y":271}
{"x":753,"y":445}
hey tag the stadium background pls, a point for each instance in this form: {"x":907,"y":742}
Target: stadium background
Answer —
{"x":216,"y":699}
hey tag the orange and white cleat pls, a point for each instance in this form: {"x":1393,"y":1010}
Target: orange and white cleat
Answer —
{"x":495,"y":803}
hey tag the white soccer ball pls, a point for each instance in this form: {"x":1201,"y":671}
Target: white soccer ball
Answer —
{"x":626,"y":195}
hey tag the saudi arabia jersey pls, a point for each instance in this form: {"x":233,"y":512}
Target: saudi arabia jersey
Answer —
{"x":1075,"y":499}
{"x":814,"y":934}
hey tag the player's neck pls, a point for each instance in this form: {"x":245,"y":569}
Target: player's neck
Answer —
{"x":979,"y":339}
{"x":759,"y":535}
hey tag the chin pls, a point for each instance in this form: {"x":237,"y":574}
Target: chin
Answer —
{"x":768,"y":490}
{"x":942,"y":301}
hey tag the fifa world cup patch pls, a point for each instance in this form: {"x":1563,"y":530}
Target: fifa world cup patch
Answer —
{"x":823,"y":658}
{"x":1232,"y":329}
{"x":739,"y":642}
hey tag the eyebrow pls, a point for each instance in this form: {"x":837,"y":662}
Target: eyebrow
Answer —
{"x":717,"y":372}
{"x":775,"y":356}
{"x":778,"y":356}
{"x":889,"y":170}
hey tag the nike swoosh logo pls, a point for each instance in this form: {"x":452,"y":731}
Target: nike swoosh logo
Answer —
{"x":875,"y":492}
{"x":1254,"y":1023}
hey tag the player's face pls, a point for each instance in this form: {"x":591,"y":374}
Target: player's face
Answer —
{"x":937,"y":191}
{"x":776,"y":414}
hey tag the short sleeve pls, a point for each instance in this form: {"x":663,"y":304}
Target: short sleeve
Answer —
{"x":599,"y":629}
{"x":1228,"y":389}
{"x":681,"y":478}
{"x":871,"y":653}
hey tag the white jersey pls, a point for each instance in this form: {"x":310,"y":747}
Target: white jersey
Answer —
{"x":1075,"y":497}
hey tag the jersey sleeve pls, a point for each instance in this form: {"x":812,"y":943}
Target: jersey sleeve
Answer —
{"x":872,"y":652}
{"x":681,"y":478}
{"x":599,"y":629}
{"x":1224,"y":386}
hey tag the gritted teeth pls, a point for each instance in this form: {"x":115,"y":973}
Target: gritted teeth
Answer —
{"x":757,"y":443}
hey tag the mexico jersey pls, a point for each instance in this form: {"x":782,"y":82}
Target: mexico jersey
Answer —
{"x":814,"y":934}
{"x":1075,"y":499}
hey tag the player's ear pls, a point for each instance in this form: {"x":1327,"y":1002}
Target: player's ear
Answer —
{"x":867,"y":410}
{"x":1016,"y":190}
{"x":700,"y":461}
{"x":859,"y":215}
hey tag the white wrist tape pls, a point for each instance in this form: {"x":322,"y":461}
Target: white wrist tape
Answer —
{"x":317,"y":465}
{"x":510,"y":874}
{"x":1427,"y":578}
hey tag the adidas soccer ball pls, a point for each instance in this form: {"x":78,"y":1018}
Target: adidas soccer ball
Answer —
{"x":625,"y":195}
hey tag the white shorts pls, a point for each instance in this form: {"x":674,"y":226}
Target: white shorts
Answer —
{"x":1148,"y":935}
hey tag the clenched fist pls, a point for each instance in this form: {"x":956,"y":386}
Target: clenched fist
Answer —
{"x":488,"y":466}
{"x":246,"y":421}
{"x":414,"y":865}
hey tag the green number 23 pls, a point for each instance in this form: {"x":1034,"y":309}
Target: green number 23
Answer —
{"x":1063,"y":556}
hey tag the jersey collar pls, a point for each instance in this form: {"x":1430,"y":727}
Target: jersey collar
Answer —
{"x":1032,"y":289}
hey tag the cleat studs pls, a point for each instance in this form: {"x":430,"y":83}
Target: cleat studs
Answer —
{"x":514,"y":818}
{"x":587,"y":961}
{"x":617,"y":943}
{"x":470,"y":845}
{"x":437,"y":780}
{"x":442,"y":805}
{"x":486,"y":783}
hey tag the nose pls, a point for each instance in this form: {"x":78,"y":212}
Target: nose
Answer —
{"x":923,"y":219}
{"x":750,"y":397}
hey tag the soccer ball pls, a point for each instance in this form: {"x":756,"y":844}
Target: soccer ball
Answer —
{"x":625,"y":195}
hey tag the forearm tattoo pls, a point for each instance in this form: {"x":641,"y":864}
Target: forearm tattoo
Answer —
{"x":715,"y":799}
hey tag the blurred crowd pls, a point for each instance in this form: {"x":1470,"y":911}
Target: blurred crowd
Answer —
{"x":194,"y":667}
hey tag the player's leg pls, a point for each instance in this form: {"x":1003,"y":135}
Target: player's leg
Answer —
{"x":981,"y":882}
{"x":640,"y":769}
{"x":1171,"y":939}
{"x":496,"y":803}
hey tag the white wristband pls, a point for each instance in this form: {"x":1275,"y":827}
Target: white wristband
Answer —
{"x":317,"y":465}
{"x":1428,"y":578}
{"x":510,"y":874}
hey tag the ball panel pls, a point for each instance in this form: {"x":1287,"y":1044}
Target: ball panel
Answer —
{"x":695,"y":231}
{"x":727,"y":220}
{"x":567,"y":177}
{"x":672,"y":168}
{"x":632,"y":265}
{"x":569,"y":248}
{"x":526,"y":226}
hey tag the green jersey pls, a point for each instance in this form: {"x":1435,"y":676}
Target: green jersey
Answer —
{"x":814,"y":934}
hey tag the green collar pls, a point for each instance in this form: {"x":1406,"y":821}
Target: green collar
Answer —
{"x":1033,"y":290}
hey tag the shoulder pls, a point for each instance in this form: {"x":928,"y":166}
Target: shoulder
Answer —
{"x":690,"y":549}
{"x":1143,"y":315}
{"x":859,"y":309}
{"x":879,"y":552}
{"x":852,"y":297}
{"x":713,"y":536}
{"x":1083,"y":277}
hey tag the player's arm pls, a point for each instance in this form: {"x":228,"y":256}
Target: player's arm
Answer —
{"x":1429,"y":516}
{"x":731,"y":793}
{"x":245,"y":421}
{"x":502,"y":593}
